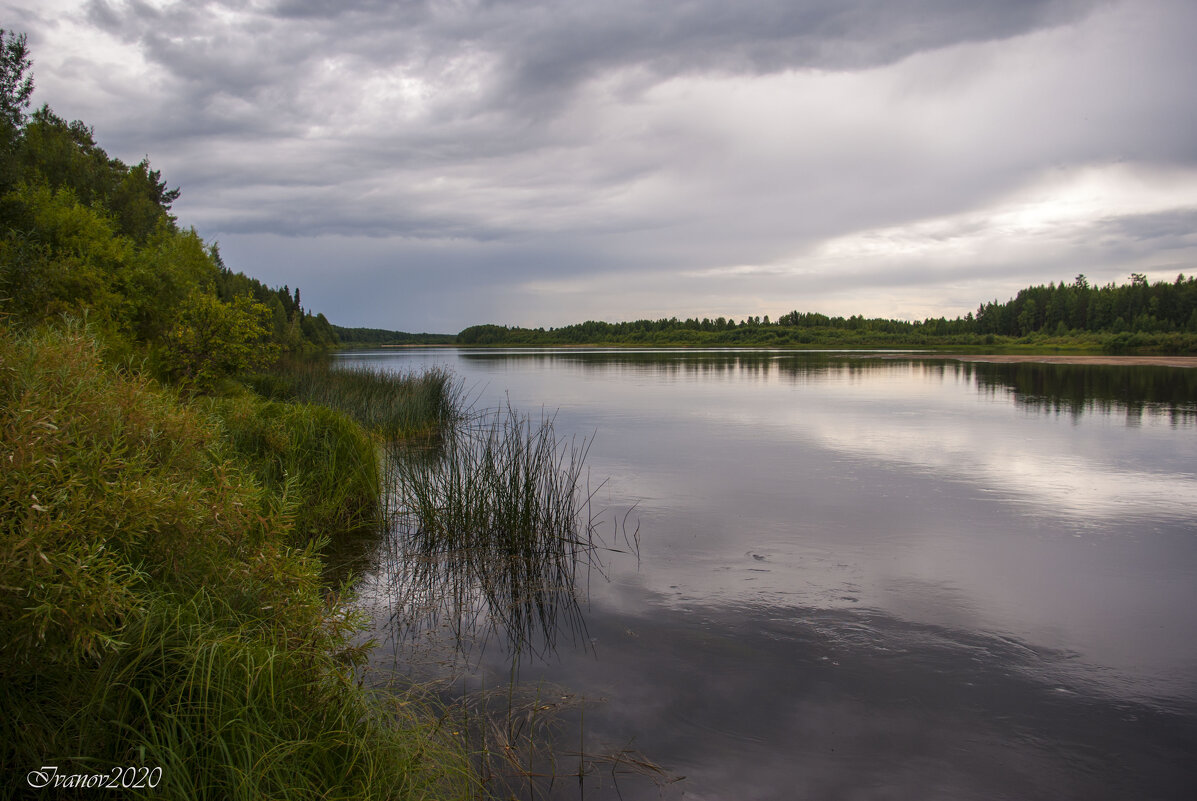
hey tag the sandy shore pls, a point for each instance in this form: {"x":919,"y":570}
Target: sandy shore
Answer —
{"x":1128,"y":361}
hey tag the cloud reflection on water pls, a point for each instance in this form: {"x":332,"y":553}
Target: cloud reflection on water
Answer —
{"x":885,"y":579}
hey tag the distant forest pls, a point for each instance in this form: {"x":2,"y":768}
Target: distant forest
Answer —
{"x":1136,"y":316}
{"x":350,"y":337}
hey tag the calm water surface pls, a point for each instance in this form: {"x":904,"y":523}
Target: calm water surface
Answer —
{"x":865,"y":578}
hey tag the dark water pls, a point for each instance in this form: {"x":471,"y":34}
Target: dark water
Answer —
{"x":864,"y":578}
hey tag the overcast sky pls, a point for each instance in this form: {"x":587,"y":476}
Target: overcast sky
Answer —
{"x":429,"y":165}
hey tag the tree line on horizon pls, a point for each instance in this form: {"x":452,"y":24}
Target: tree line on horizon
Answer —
{"x":1137,"y":314}
{"x":383,"y":336}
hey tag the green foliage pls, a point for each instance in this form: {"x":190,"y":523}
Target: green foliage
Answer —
{"x":495,"y":334}
{"x":155,"y":608}
{"x":16,"y":87}
{"x":212,"y":340}
{"x":321,"y":463}
{"x":293,"y":328}
{"x":110,"y":484}
{"x":59,"y":260}
{"x":65,"y":155}
{"x":1137,"y":307}
{"x":232,"y":711}
{"x":83,"y":233}
{"x":1160,"y":317}
{"x":168,"y":268}
{"x":351,"y":337}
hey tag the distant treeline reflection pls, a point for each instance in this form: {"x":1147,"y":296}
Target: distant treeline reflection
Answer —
{"x":1051,"y":388}
{"x":1076,"y":389}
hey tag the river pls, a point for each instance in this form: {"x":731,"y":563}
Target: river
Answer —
{"x":834,"y":576}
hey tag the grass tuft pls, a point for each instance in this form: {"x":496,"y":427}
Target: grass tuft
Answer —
{"x":496,"y":520}
{"x":395,"y":405}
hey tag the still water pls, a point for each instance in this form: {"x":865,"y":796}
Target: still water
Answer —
{"x":861,"y":577}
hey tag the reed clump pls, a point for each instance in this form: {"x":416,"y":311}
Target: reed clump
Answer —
{"x":496,"y":523}
{"x":394,"y":405}
{"x":157,"y":609}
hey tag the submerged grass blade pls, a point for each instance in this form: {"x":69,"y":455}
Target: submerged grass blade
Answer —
{"x":495,"y":523}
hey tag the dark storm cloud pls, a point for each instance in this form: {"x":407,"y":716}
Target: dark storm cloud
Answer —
{"x":540,"y":51}
{"x":627,"y":158}
{"x":535,"y":53}
{"x":753,"y":37}
{"x":551,"y":42}
{"x":491,"y":82}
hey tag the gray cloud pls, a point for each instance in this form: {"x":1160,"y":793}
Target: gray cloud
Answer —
{"x":536,"y":53}
{"x":546,"y":152}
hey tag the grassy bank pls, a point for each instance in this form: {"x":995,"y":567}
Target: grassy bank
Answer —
{"x":161,"y":603}
{"x":393,"y":406}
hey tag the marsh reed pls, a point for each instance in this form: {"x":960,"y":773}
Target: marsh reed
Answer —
{"x":392,"y":404}
{"x":491,"y":528}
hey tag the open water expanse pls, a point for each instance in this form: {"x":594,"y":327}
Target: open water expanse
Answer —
{"x":856,"y":578}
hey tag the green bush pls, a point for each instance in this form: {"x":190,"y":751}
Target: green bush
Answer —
{"x":110,"y":485}
{"x":156,"y":610}
{"x":318,"y":460}
{"x":211,"y":340}
{"x":233,"y":710}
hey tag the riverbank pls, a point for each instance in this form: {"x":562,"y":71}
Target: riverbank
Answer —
{"x":815,"y":332}
{"x":164,"y":609}
{"x":880,"y":353}
{"x":1027,"y":349}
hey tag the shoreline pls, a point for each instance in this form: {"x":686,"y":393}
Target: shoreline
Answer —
{"x":863,"y":353}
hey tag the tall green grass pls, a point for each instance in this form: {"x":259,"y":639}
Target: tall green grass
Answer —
{"x":395,"y":405}
{"x":493,"y":523}
{"x":157,"y":609}
{"x":322,"y":464}
{"x":238,"y":712}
